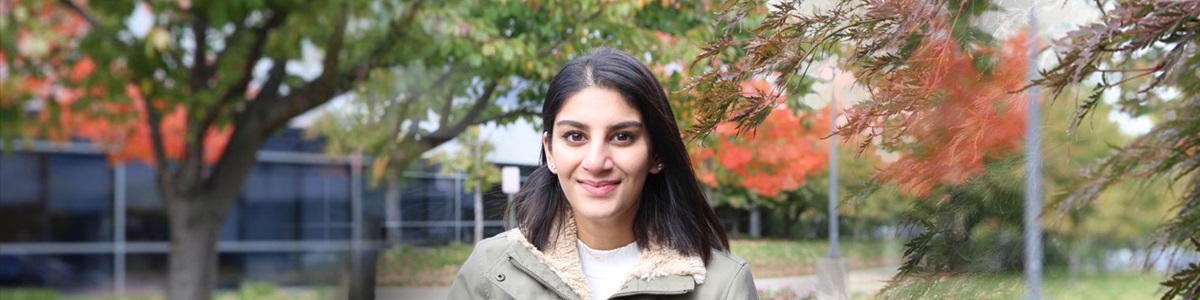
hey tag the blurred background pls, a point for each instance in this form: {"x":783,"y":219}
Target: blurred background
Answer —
{"x":188,"y":149}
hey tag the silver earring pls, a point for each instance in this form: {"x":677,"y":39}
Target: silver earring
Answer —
{"x":551,"y":166}
{"x":661,"y":166}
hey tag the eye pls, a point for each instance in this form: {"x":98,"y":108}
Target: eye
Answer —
{"x":623,"y":138}
{"x":574,"y":137}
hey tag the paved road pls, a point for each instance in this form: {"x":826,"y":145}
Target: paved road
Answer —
{"x":865,"y":282}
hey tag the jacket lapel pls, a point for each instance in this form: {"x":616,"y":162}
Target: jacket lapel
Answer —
{"x":660,"y":270}
{"x":561,"y":258}
{"x":526,"y":261}
{"x":667,"y":285}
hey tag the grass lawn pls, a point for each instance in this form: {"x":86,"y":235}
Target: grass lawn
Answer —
{"x":408,"y":266}
{"x":784,"y":258}
{"x":1057,"y":284}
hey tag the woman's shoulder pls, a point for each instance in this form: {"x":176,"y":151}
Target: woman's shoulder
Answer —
{"x":726,"y":259}
{"x":495,"y":245}
{"x":727,"y":277}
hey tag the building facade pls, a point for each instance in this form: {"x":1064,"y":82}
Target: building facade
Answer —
{"x":73,"y":221}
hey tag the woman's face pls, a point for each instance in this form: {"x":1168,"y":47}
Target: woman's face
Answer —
{"x":601,"y":154}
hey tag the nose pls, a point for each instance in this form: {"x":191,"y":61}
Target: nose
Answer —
{"x":598,"y":159}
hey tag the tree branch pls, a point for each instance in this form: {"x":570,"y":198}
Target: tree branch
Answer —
{"x":261,"y":118}
{"x":524,"y":111}
{"x":156,"y":139}
{"x":566,"y":37}
{"x":481,"y":103}
{"x":82,"y":12}
{"x":274,"y":113}
{"x":200,"y":69}
{"x":362,"y":71}
{"x":444,"y":117}
{"x":196,"y":144}
{"x":403,"y":110}
{"x":270,"y":88}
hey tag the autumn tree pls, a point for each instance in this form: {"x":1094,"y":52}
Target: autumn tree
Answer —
{"x":772,"y":163}
{"x":495,"y":68}
{"x":1143,"y":51}
{"x":198,"y":90}
{"x":189,"y":77}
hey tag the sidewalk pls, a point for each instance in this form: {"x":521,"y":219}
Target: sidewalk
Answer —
{"x":867,"y":281}
{"x":863,"y":282}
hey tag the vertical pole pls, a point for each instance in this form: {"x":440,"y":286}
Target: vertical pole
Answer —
{"x":833,"y":171}
{"x":362,"y":256}
{"x":457,"y":209}
{"x":119,"y":229}
{"x":833,"y":271}
{"x":478,"y":164}
{"x":755,"y":218}
{"x":1033,"y":178}
{"x":356,"y":206}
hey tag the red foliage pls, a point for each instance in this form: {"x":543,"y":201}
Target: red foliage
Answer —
{"x":955,"y":116}
{"x":115,"y":123}
{"x":777,"y":156}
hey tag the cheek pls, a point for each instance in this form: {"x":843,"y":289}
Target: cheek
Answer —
{"x":634,"y":159}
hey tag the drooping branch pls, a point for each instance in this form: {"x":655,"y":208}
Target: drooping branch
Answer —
{"x":70,"y":4}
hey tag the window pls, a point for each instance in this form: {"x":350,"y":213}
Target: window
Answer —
{"x":22,"y":209}
{"x":146,"y":218}
{"x":325,"y":198}
{"x":269,"y":210}
{"x":79,"y":193}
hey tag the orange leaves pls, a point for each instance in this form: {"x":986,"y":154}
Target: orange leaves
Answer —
{"x":47,"y":39}
{"x":121,"y":127}
{"x":777,"y":157}
{"x":82,"y":68}
{"x":956,"y":117}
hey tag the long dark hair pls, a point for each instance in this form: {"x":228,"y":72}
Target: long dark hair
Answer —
{"x":673,"y":211}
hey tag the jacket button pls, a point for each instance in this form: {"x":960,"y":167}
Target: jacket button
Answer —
{"x":499,"y":277}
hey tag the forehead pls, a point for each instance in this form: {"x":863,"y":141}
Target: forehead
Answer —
{"x":599,"y":106}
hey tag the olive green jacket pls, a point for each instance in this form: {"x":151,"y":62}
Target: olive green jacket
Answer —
{"x":507,"y":266}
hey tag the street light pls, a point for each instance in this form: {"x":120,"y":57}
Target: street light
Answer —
{"x":833,"y":270}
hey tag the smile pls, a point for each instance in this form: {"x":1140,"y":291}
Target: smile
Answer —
{"x":599,"y":188}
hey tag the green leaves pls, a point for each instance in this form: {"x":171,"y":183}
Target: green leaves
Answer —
{"x":1184,"y":284}
{"x":438,"y":68}
{"x":471,"y":160}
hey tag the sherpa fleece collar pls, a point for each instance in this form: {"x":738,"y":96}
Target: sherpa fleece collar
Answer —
{"x":654,"y":261}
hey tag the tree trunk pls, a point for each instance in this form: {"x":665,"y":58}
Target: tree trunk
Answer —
{"x":195,"y":228}
{"x":788,"y":223}
{"x":478,"y":212}
{"x":792,"y":217}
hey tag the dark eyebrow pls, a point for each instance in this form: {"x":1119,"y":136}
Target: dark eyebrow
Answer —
{"x":575,"y":124}
{"x":614,"y":127}
{"x":626,"y":124}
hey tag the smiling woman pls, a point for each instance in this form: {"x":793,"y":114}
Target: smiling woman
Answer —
{"x":615,"y":210}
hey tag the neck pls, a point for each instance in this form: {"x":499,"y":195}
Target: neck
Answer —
{"x":605,"y":234}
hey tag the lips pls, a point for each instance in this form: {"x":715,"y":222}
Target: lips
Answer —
{"x":599,"y":188}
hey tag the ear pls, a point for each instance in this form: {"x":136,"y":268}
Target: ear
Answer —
{"x":654,"y":165}
{"x":546,"y":150}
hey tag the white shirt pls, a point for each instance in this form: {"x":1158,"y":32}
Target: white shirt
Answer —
{"x":606,"y":270}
